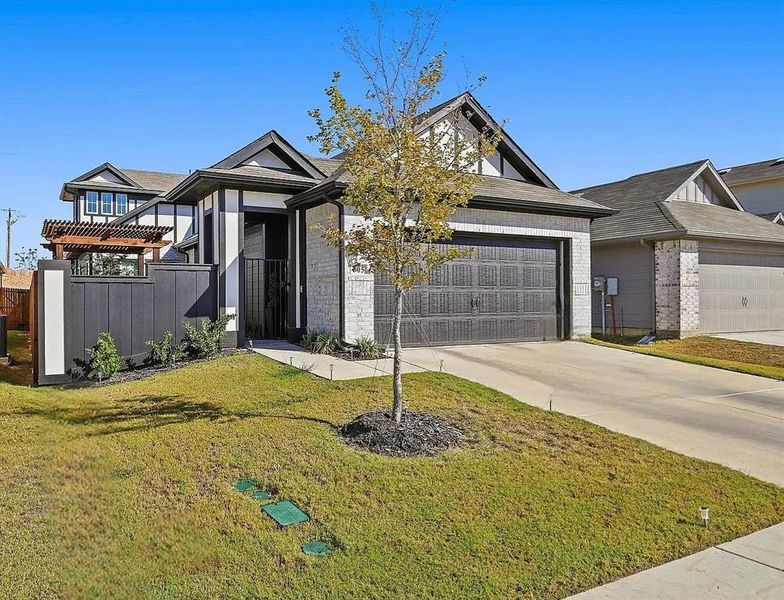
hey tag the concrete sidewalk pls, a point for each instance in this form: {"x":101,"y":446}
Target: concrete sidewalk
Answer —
{"x":749,"y":567}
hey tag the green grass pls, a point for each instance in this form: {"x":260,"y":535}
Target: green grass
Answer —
{"x":732,"y":355}
{"x":21,"y":369}
{"x":127,"y":491}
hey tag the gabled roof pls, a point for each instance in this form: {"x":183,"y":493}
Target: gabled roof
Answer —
{"x":273,"y":141}
{"x":759,"y":171}
{"x":111,"y":169}
{"x":647,"y":209}
{"x":128,"y":180}
{"x":480,"y":118}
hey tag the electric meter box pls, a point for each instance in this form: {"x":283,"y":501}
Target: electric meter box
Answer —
{"x":599,"y":284}
{"x":612,"y":286}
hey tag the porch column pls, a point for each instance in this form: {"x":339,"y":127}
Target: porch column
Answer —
{"x":231,"y":224}
{"x":140,"y":264}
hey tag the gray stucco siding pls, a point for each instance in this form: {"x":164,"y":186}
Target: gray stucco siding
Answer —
{"x":632,"y":264}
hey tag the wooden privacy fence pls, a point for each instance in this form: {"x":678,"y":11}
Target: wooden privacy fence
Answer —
{"x":73,"y":310}
{"x":15,"y":304}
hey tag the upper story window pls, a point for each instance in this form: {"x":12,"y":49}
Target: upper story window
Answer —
{"x":92,"y":202}
{"x":121,"y":203}
{"x":106,"y":203}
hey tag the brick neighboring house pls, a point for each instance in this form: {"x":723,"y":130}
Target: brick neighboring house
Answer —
{"x":251,"y":214}
{"x":689,"y":258}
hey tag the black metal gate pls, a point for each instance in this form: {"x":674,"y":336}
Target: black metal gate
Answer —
{"x":266,"y":298}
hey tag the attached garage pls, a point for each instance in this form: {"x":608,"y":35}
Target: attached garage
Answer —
{"x":507,"y":290}
{"x":741,"y":290}
{"x":688,"y":257}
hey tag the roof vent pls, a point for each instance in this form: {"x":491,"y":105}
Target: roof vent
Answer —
{"x":724,"y":171}
{"x":778,"y":161}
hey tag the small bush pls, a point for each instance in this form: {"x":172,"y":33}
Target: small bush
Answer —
{"x":167,"y":351}
{"x":320,"y":342}
{"x":105,"y":360}
{"x":367,"y":348}
{"x":205,"y":341}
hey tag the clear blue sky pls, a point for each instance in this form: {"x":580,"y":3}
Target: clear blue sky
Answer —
{"x":593,"y":91}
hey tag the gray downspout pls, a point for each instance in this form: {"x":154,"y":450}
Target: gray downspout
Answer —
{"x":652,"y":247}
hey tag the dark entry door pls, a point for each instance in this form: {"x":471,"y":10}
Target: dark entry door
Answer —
{"x":266,"y":298}
{"x":506,"y":290}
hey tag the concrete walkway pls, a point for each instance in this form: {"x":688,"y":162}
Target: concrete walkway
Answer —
{"x":772,"y":338}
{"x":328,"y":367}
{"x":749,"y":567}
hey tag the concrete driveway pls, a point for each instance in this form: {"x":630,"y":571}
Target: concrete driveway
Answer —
{"x":772,"y":338}
{"x":730,"y":418}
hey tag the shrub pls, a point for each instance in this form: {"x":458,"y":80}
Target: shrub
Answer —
{"x":105,"y":360}
{"x":320,"y":342}
{"x":205,"y":341}
{"x":167,"y":351}
{"x":367,"y":348}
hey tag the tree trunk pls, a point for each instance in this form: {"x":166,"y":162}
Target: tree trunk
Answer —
{"x":397,"y":382}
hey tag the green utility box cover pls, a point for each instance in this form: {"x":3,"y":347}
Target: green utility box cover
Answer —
{"x":285,"y":513}
{"x":244,"y":485}
{"x":261,"y":495}
{"x":315,"y":548}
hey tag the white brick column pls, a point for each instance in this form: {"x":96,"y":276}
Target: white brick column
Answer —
{"x":677,"y":285}
{"x":358,"y":300}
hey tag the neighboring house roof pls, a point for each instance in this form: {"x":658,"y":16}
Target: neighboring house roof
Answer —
{"x":647,"y":210}
{"x":128,"y":180}
{"x":775,"y":217}
{"x":155,"y":180}
{"x":759,"y":171}
{"x":16,"y":280}
{"x":711,"y":221}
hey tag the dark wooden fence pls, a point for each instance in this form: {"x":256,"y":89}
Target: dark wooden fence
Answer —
{"x":15,"y":304}
{"x":133,"y":309}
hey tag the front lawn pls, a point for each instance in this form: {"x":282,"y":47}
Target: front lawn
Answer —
{"x":126,"y":491}
{"x":732,"y":355}
{"x":21,"y":368}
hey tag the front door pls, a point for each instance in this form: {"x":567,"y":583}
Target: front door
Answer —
{"x":266,"y":298}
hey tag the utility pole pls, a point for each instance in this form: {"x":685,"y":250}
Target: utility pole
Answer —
{"x":11,"y":216}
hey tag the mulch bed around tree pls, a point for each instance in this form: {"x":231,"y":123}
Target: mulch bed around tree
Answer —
{"x":145,"y":372}
{"x":418,"y":434}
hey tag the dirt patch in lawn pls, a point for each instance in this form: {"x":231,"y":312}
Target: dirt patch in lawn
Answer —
{"x":418,"y":434}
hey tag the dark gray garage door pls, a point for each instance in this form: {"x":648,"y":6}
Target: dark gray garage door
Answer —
{"x":506,"y":291}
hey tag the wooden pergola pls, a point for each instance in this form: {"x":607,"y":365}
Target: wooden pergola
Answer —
{"x":71,"y":239}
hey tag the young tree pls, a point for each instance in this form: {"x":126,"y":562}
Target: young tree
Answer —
{"x":404,"y":183}
{"x":26,"y":259}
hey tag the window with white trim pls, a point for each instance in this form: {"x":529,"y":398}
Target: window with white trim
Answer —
{"x":92,"y":202}
{"x":106,"y":203}
{"x":121,"y":203}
